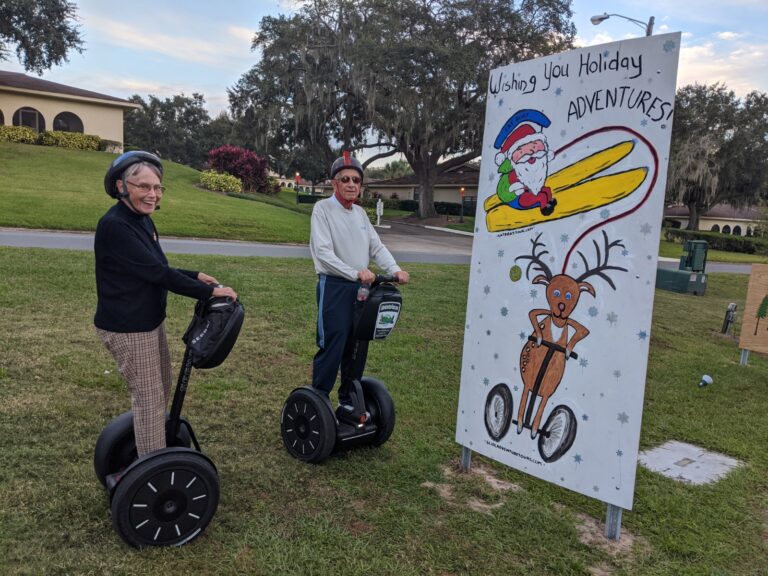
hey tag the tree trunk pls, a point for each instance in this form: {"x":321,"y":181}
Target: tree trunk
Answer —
{"x":693,"y":216}
{"x":426,"y":174}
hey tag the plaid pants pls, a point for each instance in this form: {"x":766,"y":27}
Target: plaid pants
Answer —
{"x":144,"y":361}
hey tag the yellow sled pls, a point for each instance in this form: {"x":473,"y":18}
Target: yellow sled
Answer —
{"x":575,"y":193}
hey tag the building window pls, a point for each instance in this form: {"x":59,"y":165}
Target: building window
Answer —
{"x":749,"y":230}
{"x":29,"y":117}
{"x":737,"y":230}
{"x":2,"y":119}
{"x":726,"y":229}
{"x":715,"y":228}
{"x":68,"y":122}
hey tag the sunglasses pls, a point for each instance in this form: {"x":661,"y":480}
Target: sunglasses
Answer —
{"x":346,"y":179}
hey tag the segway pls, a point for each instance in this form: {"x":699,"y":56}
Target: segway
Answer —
{"x":310,"y":427}
{"x":558,"y":433}
{"x":168,"y":497}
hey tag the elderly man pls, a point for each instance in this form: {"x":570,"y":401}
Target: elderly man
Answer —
{"x":342,"y":243}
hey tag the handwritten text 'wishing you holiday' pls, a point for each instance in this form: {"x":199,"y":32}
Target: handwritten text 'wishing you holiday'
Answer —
{"x":590,"y":65}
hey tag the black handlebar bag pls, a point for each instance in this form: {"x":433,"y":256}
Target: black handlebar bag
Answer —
{"x":213,"y":331}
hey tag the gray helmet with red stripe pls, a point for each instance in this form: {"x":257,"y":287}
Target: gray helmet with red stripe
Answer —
{"x":346,"y":161}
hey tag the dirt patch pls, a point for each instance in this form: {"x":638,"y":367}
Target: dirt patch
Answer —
{"x":496,"y":484}
{"x":483,"y":507}
{"x":590,"y":533}
{"x":602,"y":570}
{"x":444,"y":490}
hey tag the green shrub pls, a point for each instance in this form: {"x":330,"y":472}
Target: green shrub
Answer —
{"x":409,"y":205}
{"x":70,"y":140}
{"x":371,"y":212}
{"x":717,"y":241}
{"x":18,"y":134}
{"x":389,"y":204}
{"x":218,"y":182}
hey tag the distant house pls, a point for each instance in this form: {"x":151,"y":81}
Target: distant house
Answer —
{"x":722,"y":218}
{"x":44,"y":105}
{"x":448,"y":187}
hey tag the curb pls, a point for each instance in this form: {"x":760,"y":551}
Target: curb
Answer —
{"x":437,"y":228}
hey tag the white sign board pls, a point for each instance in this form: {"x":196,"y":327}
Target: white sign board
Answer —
{"x":569,"y":212}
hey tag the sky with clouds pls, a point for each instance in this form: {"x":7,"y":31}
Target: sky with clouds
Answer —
{"x":166,"y":47}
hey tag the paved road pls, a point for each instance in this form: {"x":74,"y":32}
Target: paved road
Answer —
{"x":408,"y":243}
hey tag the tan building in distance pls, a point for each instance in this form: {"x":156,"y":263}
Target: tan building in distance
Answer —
{"x":722,"y":218}
{"x":44,"y":105}
{"x":448,"y":187}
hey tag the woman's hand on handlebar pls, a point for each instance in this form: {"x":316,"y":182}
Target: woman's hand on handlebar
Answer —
{"x":224,"y":291}
{"x":203,"y":277}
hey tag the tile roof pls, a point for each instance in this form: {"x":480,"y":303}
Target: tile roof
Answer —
{"x":725,"y":211}
{"x":11,"y":80}
{"x":464,"y":175}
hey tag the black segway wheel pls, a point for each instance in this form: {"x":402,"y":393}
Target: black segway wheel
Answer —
{"x":166,"y":499}
{"x":498,"y":411}
{"x":558,"y":434}
{"x":379,"y":403}
{"x":116,"y":447}
{"x":308,"y":426}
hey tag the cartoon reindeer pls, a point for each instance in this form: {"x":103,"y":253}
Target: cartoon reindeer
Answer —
{"x":542,"y":369}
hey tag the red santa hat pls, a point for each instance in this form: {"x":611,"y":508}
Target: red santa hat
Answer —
{"x":523,"y":127}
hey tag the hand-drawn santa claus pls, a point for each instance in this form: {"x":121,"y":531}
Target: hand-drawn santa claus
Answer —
{"x":523,"y":161}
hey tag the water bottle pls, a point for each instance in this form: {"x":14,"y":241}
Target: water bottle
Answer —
{"x":362,"y":292}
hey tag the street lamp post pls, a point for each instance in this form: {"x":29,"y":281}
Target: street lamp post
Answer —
{"x":647,"y":26}
{"x":461,"y":209}
{"x":297,"y":179}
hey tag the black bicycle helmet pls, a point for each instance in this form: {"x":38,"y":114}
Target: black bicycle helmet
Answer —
{"x":122,"y":162}
{"x":346,"y":161}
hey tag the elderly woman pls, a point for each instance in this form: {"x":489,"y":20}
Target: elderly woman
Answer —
{"x":132,"y":282}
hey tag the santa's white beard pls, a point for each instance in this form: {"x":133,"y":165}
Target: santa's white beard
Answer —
{"x":533,"y":175}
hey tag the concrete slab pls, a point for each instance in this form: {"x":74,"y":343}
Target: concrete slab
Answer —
{"x":687,"y":463}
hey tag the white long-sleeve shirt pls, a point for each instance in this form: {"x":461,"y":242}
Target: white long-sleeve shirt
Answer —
{"x":343,"y":242}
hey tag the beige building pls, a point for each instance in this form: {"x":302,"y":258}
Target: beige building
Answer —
{"x":44,"y":105}
{"x":722,"y":218}
{"x":448,"y":188}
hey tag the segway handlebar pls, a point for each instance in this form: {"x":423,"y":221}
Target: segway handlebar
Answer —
{"x":552,"y":345}
{"x":384,"y":278}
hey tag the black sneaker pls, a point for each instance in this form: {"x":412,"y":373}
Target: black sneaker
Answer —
{"x":347,"y":412}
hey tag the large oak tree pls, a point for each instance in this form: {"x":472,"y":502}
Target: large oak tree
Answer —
{"x":719,"y":149}
{"x":408,"y":77}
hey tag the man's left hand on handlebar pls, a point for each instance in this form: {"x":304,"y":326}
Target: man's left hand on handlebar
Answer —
{"x":402,"y":277}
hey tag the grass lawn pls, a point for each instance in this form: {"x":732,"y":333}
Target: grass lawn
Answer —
{"x":57,"y":189}
{"x":401,"y":509}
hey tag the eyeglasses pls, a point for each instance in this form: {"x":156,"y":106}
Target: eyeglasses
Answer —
{"x":346,"y":179}
{"x":146,"y":188}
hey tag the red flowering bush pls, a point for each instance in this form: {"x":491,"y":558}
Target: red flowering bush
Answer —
{"x":248,"y":166}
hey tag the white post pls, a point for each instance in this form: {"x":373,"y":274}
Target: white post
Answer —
{"x":379,"y":211}
{"x":744,"y":357}
{"x":466,"y":459}
{"x":613,"y":522}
